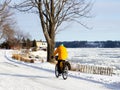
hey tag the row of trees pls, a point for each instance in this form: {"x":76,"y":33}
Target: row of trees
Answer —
{"x":24,"y":43}
{"x":90,"y":44}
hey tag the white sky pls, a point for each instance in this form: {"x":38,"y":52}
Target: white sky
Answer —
{"x":105,"y":24}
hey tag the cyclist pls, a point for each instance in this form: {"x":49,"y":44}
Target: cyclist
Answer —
{"x":62,"y":53}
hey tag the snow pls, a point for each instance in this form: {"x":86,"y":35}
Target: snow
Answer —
{"x":96,"y":56}
{"x":17,"y":75}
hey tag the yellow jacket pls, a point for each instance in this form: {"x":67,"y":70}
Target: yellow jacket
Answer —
{"x":62,"y":53}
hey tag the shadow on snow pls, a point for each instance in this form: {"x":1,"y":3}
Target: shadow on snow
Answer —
{"x":21,"y":75}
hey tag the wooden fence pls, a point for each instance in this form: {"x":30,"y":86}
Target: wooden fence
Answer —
{"x":93,"y":69}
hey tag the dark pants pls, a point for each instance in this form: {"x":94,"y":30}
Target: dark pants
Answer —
{"x":61,"y":68}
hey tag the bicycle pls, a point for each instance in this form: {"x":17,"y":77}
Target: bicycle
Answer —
{"x":64,"y":67}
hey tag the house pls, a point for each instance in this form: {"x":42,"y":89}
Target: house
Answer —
{"x":41,"y":45}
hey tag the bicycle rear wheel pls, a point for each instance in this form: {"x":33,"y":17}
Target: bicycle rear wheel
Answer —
{"x":65,"y":72}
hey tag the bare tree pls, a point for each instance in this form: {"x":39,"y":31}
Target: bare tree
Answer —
{"x":8,"y":32}
{"x":6,"y":20}
{"x":19,"y":35}
{"x":53,"y":13}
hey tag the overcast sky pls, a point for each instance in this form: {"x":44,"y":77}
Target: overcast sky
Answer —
{"x":105,"y":24}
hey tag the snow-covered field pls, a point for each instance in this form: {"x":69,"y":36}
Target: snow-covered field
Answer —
{"x":96,"y":56}
{"x":17,"y":75}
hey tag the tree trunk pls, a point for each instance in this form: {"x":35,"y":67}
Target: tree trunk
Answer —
{"x":51,"y":43}
{"x":50,"y":52}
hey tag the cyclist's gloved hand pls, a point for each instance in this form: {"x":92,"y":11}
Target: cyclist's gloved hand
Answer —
{"x":52,"y":57}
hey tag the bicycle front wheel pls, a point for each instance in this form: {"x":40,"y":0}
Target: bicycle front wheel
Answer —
{"x":56,"y":71}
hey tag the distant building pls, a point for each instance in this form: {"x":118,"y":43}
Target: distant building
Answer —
{"x":41,"y":44}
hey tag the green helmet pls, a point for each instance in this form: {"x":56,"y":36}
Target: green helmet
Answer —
{"x":61,"y":45}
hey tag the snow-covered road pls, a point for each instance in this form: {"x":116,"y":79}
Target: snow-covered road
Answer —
{"x":15,"y":76}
